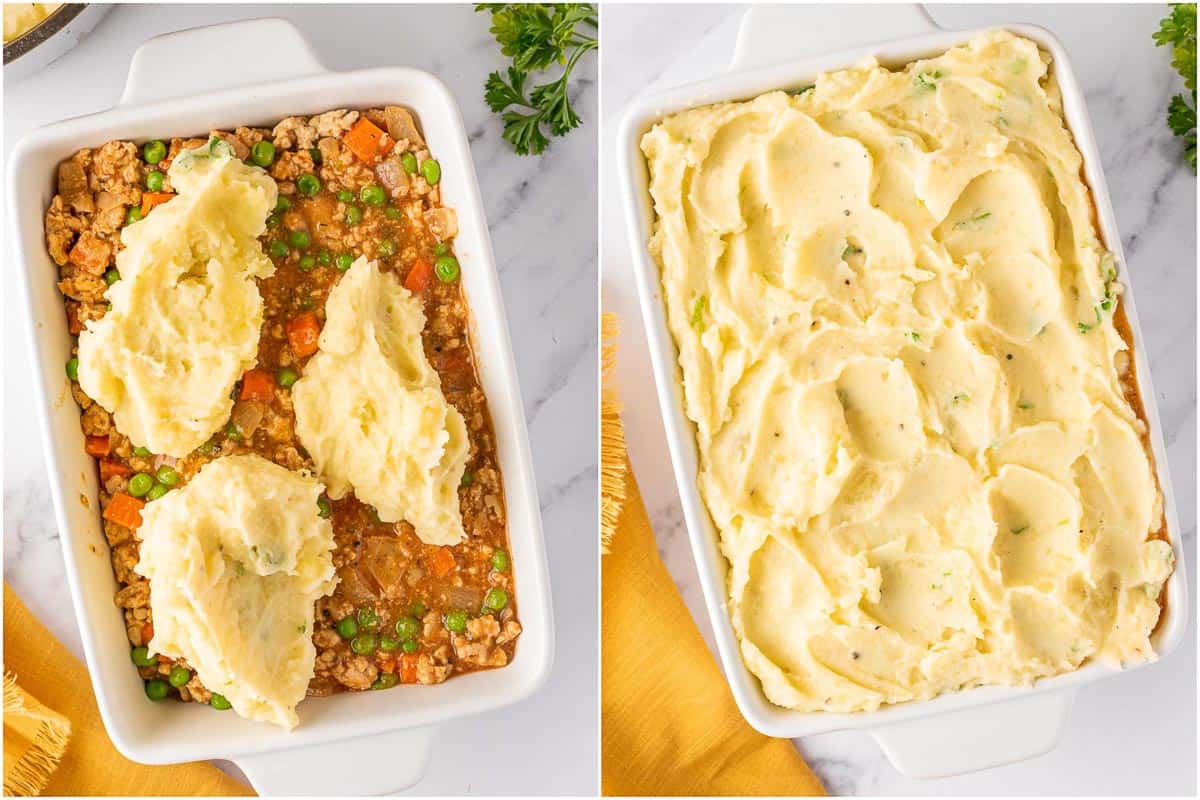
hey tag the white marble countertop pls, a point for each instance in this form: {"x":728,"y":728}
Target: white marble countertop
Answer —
{"x":1131,"y":734}
{"x":542,"y":213}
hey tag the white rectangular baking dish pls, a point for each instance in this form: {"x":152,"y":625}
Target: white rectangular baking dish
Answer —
{"x":188,"y":83}
{"x":954,"y":733}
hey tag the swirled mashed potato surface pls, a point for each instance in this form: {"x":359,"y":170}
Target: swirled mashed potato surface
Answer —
{"x":894,"y":321}
{"x":236,"y":559}
{"x":20,"y":18}
{"x":185,"y":317}
{"x":370,"y":409}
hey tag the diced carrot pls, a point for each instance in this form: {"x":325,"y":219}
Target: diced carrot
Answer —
{"x":366,"y":140}
{"x":147,"y":632}
{"x":74,"y":321}
{"x":442,"y":562}
{"x":152,"y":199}
{"x":303,"y":332}
{"x":417,"y":280}
{"x":408,"y":668}
{"x":387,"y":662}
{"x":97,"y":446}
{"x":124,"y":509}
{"x":90,"y":254}
{"x":258,"y":385}
{"x":110,"y":468}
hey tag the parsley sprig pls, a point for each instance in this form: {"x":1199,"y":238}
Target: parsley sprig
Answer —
{"x":536,"y":36}
{"x":1178,"y":31}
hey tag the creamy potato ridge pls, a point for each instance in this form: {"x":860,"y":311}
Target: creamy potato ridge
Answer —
{"x":894,"y":319}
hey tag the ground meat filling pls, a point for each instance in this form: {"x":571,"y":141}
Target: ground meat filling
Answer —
{"x":351,"y":183}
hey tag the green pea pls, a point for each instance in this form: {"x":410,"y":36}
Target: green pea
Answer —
{"x":167,"y":476}
{"x":73,"y":369}
{"x":141,"y":451}
{"x":307,"y":263}
{"x":391,"y":212}
{"x":156,"y":491}
{"x":386,"y":680}
{"x":441,"y":249}
{"x":134,"y":214}
{"x":407,"y":628}
{"x":141,"y":656}
{"x":154,"y":181}
{"x":344,"y":261}
{"x":446,"y":268}
{"x":456,"y":621}
{"x":179,"y":677}
{"x":496,"y":599}
{"x":367,"y":617}
{"x":418,"y":609}
{"x":324,"y":258}
{"x":316,"y":156}
{"x":308,"y":184}
{"x":410,"y":646}
{"x":387,"y":248}
{"x":112,"y":276}
{"x":157,"y":689}
{"x":373,"y":195}
{"x":500,"y":561}
{"x":263,"y":153}
{"x":346,"y":196}
{"x":432,"y":171}
{"x":154,"y":151}
{"x":140,"y":484}
{"x":272,"y":220}
{"x":219,"y":702}
{"x":364,"y":644}
{"x":278,"y":249}
{"x":468,"y":478}
{"x":409,"y":162}
{"x":324,"y":507}
{"x":299,"y":239}
{"x":282,"y":203}
{"x":286,"y":377}
{"x":353,"y":215}
{"x":232,"y":432}
{"x":347,"y":628}
{"x":388,"y":643}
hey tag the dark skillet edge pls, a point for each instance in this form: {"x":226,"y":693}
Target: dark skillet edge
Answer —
{"x":26,"y":42}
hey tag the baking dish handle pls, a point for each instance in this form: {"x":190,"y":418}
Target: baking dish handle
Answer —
{"x":976,"y":738}
{"x":367,"y":766}
{"x":216,"y":57}
{"x":771,"y":33}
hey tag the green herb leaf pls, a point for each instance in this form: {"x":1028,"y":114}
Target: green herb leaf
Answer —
{"x":698,"y":310}
{"x":1178,"y":31}
{"x":536,"y":36}
{"x":927,"y":81}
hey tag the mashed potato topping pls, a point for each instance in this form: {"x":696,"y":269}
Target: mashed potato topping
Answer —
{"x":186,"y":312}
{"x":894,"y":319}
{"x":371,"y":412}
{"x":236,"y":559}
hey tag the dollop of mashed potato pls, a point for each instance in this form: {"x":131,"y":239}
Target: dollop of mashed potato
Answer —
{"x":20,"y":18}
{"x":185,"y":316}
{"x":370,"y":409}
{"x":236,"y":559}
{"x":894,"y":321}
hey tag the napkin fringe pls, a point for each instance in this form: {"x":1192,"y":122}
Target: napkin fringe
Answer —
{"x":32,"y":771}
{"x":612,"y":436}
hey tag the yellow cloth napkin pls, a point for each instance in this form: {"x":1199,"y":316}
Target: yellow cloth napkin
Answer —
{"x":669,"y":725}
{"x":44,"y":753}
